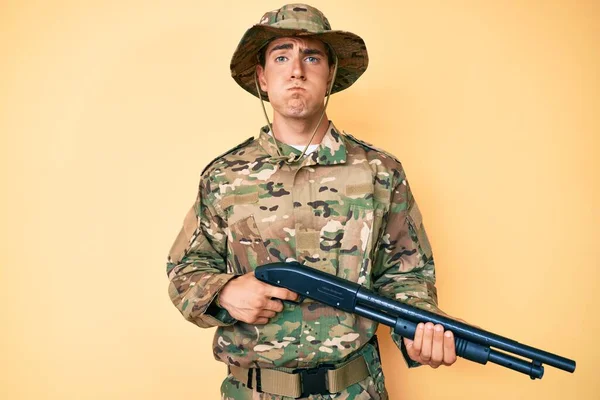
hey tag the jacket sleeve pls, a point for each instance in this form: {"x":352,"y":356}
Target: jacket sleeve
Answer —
{"x":403,"y":266}
{"x":196,"y":265}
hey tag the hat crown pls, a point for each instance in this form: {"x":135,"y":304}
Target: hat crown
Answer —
{"x":297,"y":16}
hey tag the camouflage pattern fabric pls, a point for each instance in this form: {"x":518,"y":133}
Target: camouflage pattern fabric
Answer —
{"x":298,"y":20}
{"x":346,"y":209}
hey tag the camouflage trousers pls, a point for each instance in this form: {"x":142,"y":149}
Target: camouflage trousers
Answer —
{"x":370,"y":388}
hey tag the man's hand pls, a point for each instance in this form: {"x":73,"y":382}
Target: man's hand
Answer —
{"x":249,"y":300}
{"x":431,"y":346}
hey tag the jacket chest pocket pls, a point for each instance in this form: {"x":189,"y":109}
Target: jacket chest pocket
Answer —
{"x":245,"y":246}
{"x":361,"y":233}
{"x":247,"y":249}
{"x":356,"y":245}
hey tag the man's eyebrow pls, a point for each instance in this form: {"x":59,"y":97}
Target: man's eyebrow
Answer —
{"x":309,"y":52}
{"x":283,"y":46}
{"x":288,"y":46}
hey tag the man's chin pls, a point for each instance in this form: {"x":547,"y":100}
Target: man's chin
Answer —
{"x":296,"y":109}
{"x":296,"y":113}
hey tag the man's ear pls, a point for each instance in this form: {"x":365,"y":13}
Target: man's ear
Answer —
{"x":262,"y":82}
{"x":331,"y":69}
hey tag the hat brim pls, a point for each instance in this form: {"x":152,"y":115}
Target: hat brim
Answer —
{"x":350,"y":49}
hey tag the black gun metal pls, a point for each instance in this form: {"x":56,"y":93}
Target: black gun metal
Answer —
{"x":472,"y":343}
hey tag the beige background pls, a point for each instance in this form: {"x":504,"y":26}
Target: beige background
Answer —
{"x":109,"y":110}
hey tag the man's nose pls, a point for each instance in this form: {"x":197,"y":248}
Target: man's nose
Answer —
{"x":297,"y":69}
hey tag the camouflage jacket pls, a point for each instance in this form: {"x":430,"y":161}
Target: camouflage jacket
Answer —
{"x":346,"y":209}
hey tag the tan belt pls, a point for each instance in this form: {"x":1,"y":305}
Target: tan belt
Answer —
{"x":303,"y":382}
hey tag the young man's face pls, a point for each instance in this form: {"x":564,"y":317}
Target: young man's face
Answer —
{"x":296,"y":76}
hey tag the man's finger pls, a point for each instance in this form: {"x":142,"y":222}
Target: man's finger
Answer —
{"x":427,"y":342}
{"x":417,"y":342}
{"x":437,"y":350}
{"x":449,"y":348}
{"x":293,"y":296}
{"x":274,"y":305}
{"x":267,"y":313}
{"x":281,"y":293}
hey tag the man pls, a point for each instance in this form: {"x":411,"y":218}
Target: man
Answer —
{"x":302,"y":191}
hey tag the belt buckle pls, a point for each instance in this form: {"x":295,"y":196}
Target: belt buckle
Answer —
{"x":314,"y":380}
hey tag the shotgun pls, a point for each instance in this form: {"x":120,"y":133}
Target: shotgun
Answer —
{"x":471,"y":343}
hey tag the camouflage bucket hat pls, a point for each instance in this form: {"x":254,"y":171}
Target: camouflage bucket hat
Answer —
{"x":299,"y":20}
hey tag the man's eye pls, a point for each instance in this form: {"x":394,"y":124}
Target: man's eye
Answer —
{"x":312,"y":59}
{"x":280,"y":58}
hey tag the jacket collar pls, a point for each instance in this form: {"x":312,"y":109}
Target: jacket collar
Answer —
{"x":331,"y":150}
